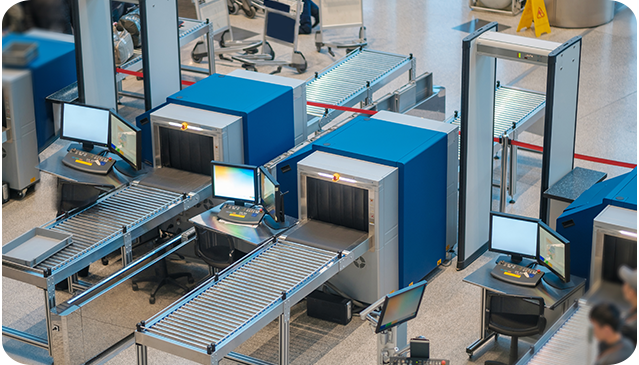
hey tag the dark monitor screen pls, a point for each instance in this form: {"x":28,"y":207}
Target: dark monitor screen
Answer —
{"x":513,"y":235}
{"x":401,"y":306}
{"x":125,"y":141}
{"x":554,"y":252}
{"x":269,"y":191}
{"x":86,"y":124}
{"x":234,"y":181}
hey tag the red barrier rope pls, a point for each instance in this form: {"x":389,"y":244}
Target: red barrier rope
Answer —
{"x":342,"y":108}
{"x":373,"y":112}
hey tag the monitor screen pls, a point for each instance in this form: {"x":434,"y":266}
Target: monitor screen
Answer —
{"x":82,"y":123}
{"x":513,"y":235}
{"x":400,"y":306}
{"x":268,"y":192}
{"x":553,"y":252}
{"x":235,"y":182}
{"x":125,"y":140}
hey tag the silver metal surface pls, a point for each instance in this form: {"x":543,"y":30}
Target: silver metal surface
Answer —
{"x":128,"y":206}
{"x":345,"y":83}
{"x":567,"y":342}
{"x":224,"y":311}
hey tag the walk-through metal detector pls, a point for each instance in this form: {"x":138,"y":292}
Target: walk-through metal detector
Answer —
{"x":480,"y":52}
{"x":95,"y":61}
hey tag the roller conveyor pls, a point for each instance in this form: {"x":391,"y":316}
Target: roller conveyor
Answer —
{"x":96,"y":225}
{"x":350,"y":80}
{"x":515,"y":109}
{"x":566,"y":342}
{"x":226,"y":310}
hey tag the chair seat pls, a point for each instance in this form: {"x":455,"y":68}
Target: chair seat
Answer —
{"x":517,"y":325}
{"x":217,"y":254}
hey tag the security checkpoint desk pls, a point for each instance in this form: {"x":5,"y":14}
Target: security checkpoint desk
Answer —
{"x":249,"y":237}
{"x":556,"y":301}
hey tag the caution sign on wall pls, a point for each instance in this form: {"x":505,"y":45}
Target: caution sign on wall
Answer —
{"x":535,"y":11}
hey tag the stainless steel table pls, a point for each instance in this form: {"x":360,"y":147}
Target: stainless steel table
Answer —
{"x":249,"y":237}
{"x":556,"y":301}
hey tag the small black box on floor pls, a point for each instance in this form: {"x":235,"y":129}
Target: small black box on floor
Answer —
{"x":329,"y":307}
{"x":420,"y":347}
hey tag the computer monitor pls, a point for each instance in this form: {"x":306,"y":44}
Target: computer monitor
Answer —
{"x":86,"y":124}
{"x":270,"y":195}
{"x":235,"y":182}
{"x":400,"y":307}
{"x":554,"y":253}
{"x":513,"y":235}
{"x":126,"y":142}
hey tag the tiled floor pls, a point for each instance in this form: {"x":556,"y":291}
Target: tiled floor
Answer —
{"x":607,"y":127}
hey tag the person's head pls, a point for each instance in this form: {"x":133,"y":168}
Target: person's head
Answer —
{"x":606,"y":322}
{"x":629,"y":278}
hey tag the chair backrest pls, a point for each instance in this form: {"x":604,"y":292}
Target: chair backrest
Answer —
{"x":515,"y":313}
{"x":216,"y":11}
{"x":341,"y":13}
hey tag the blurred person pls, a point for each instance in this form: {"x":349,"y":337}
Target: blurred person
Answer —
{"x":53,"y":15}
{"x":629,"y":326}
{"x":613,"y":346}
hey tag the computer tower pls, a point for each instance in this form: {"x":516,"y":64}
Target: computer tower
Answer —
{"x":19,"y":139}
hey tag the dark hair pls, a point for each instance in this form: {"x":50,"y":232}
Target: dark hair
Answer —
{"x":606,"y":314}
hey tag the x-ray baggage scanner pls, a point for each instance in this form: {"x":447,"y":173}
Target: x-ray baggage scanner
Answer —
{"x":480,"y":52}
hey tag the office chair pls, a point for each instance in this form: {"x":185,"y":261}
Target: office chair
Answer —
{"x":217,"y":256}
{"x":514,"y":316}
{"x":162,"y":277}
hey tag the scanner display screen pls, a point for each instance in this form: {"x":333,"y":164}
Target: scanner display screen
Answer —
{"x":234,"y":182}
{"x":552,"y":252}
{"x":268,"y":195}
{"x":124,"y":140}
{"x":85,"y":124}
{"x":401,"y":307}
{"x":513,"y":236}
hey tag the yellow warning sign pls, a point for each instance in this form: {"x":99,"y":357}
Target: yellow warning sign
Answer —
{"x":535,"y":11}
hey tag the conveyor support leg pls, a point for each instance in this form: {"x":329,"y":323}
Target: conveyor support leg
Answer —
{"x":141,"y":352}
{"x":285,"y":319}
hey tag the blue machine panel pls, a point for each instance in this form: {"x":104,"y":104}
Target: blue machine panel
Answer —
{"x":420,"y":156}
{"x":266,"y":111}
{"x":51,"y":70}
{"x":576,"y":222}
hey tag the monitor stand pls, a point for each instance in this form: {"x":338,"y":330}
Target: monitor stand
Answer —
{"x":87,"y":147}
{"x":554,"y":281}
{"x":125,"y":169}
{"x":514,"y":259}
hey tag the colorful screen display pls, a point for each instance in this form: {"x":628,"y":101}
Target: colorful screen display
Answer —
{"x":233,"y":182}
{"x":513,"y":236}
{"x":401,"y":307}
{"x":552,"y":252}
{"x":124,"y":140}
{"x":85,"y":124}
{"x":268,"y":195}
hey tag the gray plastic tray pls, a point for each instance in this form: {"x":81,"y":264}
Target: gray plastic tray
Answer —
{"x":35,"y":246}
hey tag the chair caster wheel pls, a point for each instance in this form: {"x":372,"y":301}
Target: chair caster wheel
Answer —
{"x":151,"y":300}
{"x":191,"y":280}
{"x":105,"y":261}
{"x":134,"y":286}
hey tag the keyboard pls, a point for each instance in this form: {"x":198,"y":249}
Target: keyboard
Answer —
{"x":88,"y":162}
{"x":399,"y":360}
{"x":241,"y":214}
{"x":517,"y":274}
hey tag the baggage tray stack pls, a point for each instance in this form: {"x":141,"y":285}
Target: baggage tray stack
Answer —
{"x":228,"y":309}
{"x":352,"y":80}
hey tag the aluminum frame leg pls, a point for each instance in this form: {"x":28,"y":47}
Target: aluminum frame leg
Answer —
{"x":141,"y":352}
{"x":503,"y":184}
{"x":284,"y":320}
{"x":485,"y":334}
{"x":49,"y":303}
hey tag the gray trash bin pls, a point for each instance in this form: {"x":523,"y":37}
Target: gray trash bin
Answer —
{"x":579,"y":13}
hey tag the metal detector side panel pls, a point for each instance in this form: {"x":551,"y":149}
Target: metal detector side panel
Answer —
{"x":475,"y":179}
{"x":562,"y":93}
